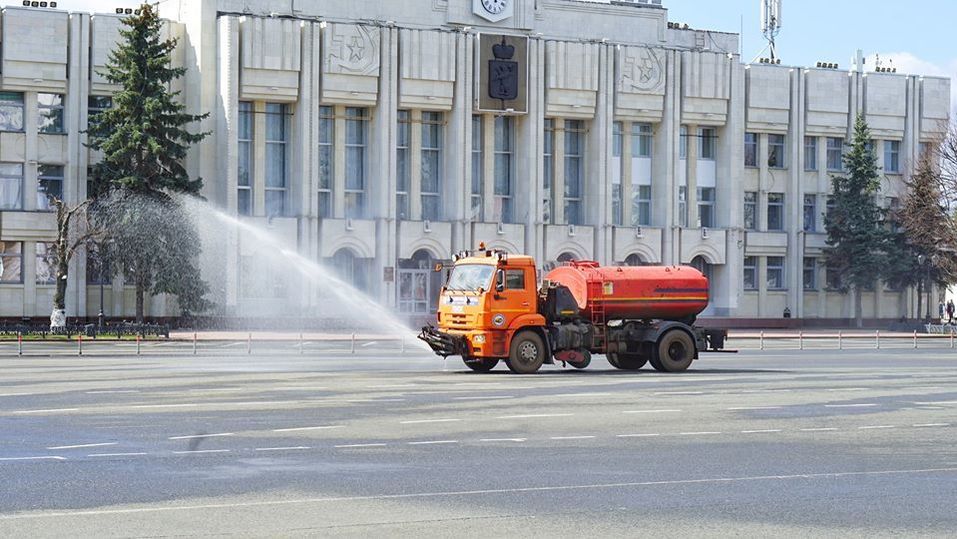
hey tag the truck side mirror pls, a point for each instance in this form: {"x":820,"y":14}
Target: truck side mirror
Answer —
{"x":500,"y":281}
{"x":438,"y":267}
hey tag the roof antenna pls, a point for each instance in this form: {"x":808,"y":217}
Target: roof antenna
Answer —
{"x":770,"y":27}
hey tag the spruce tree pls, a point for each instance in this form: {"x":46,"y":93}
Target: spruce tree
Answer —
{"x":856,"y":239}
{"x":144,"y":140}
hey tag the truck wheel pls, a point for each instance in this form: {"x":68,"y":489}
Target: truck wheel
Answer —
{"x":583,"y":363}
{"x":526,"y":354}
{"x":480,"y":364}
{"x":612,"y":358}
{"x":675,"y":352}
{"x":631,"y":362}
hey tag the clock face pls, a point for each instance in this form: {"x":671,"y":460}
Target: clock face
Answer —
{"x":495,"y":6}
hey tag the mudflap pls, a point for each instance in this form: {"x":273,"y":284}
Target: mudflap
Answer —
{"x":444,"y":344}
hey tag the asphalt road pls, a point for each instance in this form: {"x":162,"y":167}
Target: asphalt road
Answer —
{"x":383,"y":443}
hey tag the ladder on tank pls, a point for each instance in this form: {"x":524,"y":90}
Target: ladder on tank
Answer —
{"x":597,"y":294}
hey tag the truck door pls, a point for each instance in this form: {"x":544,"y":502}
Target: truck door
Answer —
{"x":513,"y":291}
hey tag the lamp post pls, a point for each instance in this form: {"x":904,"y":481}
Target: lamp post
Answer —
{"x":101,"y":277}
{"x":920,"y":284}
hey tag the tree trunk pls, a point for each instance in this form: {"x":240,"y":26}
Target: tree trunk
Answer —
{"x":858,"y":307}
{"x":62,"y":272}
{"x":140,"y":298}
{"x":920,"y":298}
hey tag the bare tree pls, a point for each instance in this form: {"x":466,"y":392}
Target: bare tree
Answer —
{"x":73,"y":232}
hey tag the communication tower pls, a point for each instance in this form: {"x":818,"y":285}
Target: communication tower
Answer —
{"x":771,"y":24}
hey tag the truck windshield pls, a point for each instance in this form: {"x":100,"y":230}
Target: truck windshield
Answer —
{"x":470,"y":277}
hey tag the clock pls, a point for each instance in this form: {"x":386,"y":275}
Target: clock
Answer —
{"x":495,"y":7}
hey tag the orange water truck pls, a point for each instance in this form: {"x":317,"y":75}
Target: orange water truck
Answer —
{"x":492,"y":309}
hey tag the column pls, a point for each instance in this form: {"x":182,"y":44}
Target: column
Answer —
{"x":226,"y":137}
{"x":381,"y":187}
{"x":691,"y":192}
{"x":415,"y":159}
{"x":457,"y":147}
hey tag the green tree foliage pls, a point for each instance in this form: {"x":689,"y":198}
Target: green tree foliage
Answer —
{"x":144,"y":140}
{"x":856,"y":237}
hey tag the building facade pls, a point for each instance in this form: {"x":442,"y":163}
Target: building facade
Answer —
{"x":380,"y":136}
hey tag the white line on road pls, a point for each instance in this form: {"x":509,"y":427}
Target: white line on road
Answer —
{"x":191,"y":436}
{"x":349,"y":446}
{"x":679,"y":393}
{"x":759,"y":431}
{"x":848,"y":389}
{"x":287,"y":448}
{"x":931,"y":425}
{"x":867,"y":427}
{"x":81,"y":445}
{"x":198,"y":451}
{"x":183,"y":405}
{"x":531,"y":416}
{"x":698,"y":433}
{"x":46,"y":411}
{"x":861,"y":405}
{"x":592,"y":394}
{"x":754,"y":408}
{"x":112,"y":391}
{"x":434,"y":442}
{"x":935,"y":402}
{"x":502,"y":440}
{"x":137,"y":454}
{"x":571,"y":437}
{"x":417,"y":421}
{"x":472,"y":493}
{"x":490,"y":397}
{"x":650,"y":434}
{"x":44,"y":457}
{"x":320,"y":427}
{"x":819,"y":429}
{"x":650,"y":411}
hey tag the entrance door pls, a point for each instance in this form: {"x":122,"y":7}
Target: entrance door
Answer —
{"x":414,"y":291}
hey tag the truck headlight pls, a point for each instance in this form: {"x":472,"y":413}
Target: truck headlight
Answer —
{"x":479,"y":339}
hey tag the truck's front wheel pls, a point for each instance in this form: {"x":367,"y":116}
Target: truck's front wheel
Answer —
{"x":526,"y":354}
{"x":675,"y":352}
{"x":480,"y":364}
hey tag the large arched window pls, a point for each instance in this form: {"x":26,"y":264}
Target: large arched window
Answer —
{"x":634,"y":259}
{"x":419,"y":285}
{"x":700,"y":264}
{"x":351,"y":269}
{"x":566,"y":257}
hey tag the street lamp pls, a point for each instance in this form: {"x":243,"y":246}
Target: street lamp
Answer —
{"x":101,"y":277}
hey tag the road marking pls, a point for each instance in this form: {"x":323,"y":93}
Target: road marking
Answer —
{"x":637,"y":435}
{"x":862,"y":405}
{"x":191,"y":436}
{"x":591,"y":394}
{"x":472,"y":493}
{"x":759,"y":431}
{"x":81,"y":445}
{"x":417,"y":421}
{"x":434,"y":442}
{"x":44,"y":457}
{"x":116,"y":454}
{"x":931,"y":425}
{"x":46,"y":411}
{"x":490,"y":397}
{"x":531,"y":416}
{"x":754,"y":408}
{"x":346,"y":446}
{"x":935,"y":402}
{"x":392,"y":386}
{"x":876,"y":427}
{"x":368,"y":344}
{"x":848,"y":389}
{"x":198,"y":451}
{"x":649,"y":411}
{"x":320,"y":427}
{"x":502,"y":440}
{"x":183,"y":405}
{"x":112,"y":391}
{"x":679,"y":393}
{"x":287,"y":448}
{"x":571,"y":437}
{"x":698,"y":432}
{"x":819,"y":429}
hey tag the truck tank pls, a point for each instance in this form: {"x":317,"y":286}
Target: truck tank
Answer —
{"x":634,"y":292}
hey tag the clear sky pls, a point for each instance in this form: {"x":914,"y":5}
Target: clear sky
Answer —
{"x":914,"y":34}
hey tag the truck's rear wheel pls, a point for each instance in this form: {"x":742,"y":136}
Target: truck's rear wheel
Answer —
{"x":526,"y":354}
{"x":612,"y":358}
{"x":584,"y":362}
{"x":675,"y":352}
{"x":480,"y":364}
{"x":631,"y":362}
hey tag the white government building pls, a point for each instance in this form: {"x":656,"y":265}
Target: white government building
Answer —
{"x":369,"y":134}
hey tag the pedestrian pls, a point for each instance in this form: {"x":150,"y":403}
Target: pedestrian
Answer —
{"x":940,"y":311}
{"x":950,"y":311}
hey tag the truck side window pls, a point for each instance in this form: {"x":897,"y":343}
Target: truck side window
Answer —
{"x":515,"y":279}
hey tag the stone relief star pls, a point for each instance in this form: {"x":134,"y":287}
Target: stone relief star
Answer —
{"x":356,"y":49}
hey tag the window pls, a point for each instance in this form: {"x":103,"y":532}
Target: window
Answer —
{"x":95,"y":104}
{"x":833,"y":277}
{"x":829,"y":207}
{"x":46,"y":263}
{"x":683,"y":142}
{"x":705,"y":207}
{"x":617,"y":136}
{"x":682,"y":206}
{"x":49,"y":185}
{"x":892,"y":152}
{"x":706,"y":139}
{"x":776,"y":273}
{"x":750,"y":273}
{"x":11,"y":262}
{"x":548,"y":178}
{"x":403,"y":164}
{"x":503,"y":169}
{"x":810,"y":153}
{"x":775,"y":211}
{"x":641,"y":138}
{"x":750,"y":149}
{"x":777,"y":158}
{"x":810,"y":273}
{"x":11,"y":186}
{"x":515,"y":279}
{"x":275,"y":159}
{"x":810,"y":213}
{"x":50,"y":113}
{"x":478,"y":166}
{"x":893,"y":205}
{"x":11,"y":111}
{"x":574,"y":130}
{"x":641,"y":205}
{"x":244,"y":193}
{"x":356,"y":137}
{"x":835,"y":154}
{"x":750,"y":210}
{"x":431,"y":165}
{"x":327,"y":137}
